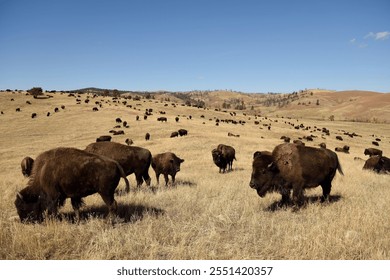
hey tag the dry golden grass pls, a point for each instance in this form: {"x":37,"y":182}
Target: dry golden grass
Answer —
{"x":207,"y":215}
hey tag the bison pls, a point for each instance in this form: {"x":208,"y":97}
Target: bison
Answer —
{"x":133,"y":159}
{"x":167,"y":164}
{"x":379,"y":164}
{"x":372,"y":152}
{"x":294,"y":167}
{"x":27,"y":164}
{"x":223,"y":157}
{"x":63,"y":173}
{"x":103,"y":138}
{"x":182,"y":132}
{"x":174,"y":134}
{"x":147,"y":136}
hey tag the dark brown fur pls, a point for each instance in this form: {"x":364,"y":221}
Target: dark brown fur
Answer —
{"x":294,"y":167}
{"x":379,"y":164}
{"x":167,"y":164}
{"x":223,"y":157}
{"x":27,"y":164}
{"x":372,"y":152}
{"x":132,"y":159}
{"x":63,"y":173}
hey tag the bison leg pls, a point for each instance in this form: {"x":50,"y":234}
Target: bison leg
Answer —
{"x":147,"y":179}
{"x":285,"y":197}
{"x":326,"y":187}
{"x":110,"y":201}
{"x":76,"y":204}
{"x":166,"y":179}
{"x":158,"y":178}
{"x":173,"y":179}
{"x":139,"y":180}
{"x":298,"y":197}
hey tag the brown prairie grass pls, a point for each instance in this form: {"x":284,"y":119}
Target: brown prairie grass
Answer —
{"x":206,"y":215}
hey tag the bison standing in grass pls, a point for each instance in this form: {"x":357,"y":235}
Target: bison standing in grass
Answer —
{"x":63,"y":173}
{"x":223,"y":157}
{"x":166,"y":164}
{"x":296,"y":168}
{"x":133,"y":159}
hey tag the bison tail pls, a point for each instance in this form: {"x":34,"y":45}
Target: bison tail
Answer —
{"x":123,"y":175}
{"x":339,"y":168}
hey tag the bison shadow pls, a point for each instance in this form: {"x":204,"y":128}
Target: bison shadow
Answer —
{"x":277,"y":205}
{"x":126,"y":213}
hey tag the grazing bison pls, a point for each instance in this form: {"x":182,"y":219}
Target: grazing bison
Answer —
{"x":372,"y":152}
{"x":294,"y":167}
{"x":182,"y":132}
{"x":174,"y":134}
{"x":33,"y":115}
{"x":223,"y":157}
{"x":298,"y":142}
{"x":133,"y":159}
{"x":344,"y":149}
{"x":379,"y":164}
{"x":27,"y":164}
{"x":103,"y":138}
{"x":167,"y":164}
{"x":129,"y":142}
{"x":162,"y":119}
{"x":63,"y":173}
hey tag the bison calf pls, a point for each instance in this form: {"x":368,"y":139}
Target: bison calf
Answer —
{"x":166,"y":164}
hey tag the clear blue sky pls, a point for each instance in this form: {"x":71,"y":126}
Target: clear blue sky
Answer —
{"x":249,"y":46}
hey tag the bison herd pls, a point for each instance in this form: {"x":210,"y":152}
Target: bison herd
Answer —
{"x":62,"y":173}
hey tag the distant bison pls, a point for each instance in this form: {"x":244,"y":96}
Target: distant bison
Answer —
{"x":174,"y":134}
{"x":167,"y":164}
{"x":162,"y":119}
{"x":26,"y":165}
{"x":33,"y":115}
{"x":182,"y":132}
{"x":344,"y":149}
{"x":63,"y":173}
{"x":147,"y":136}
{"x":129,"y":142}
{"x":372,"y":152}
{"x":379,"y":164}
{"x":103,"y":138}
{"x":294,"y":167}
{"x":375,"y":143}
{"x":223,"y":157}
{"x":339,"y":138}
{"x":133,"y":159}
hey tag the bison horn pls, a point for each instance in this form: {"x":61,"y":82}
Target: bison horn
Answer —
{"x":272,"y":166}
{"x":20,"y":195}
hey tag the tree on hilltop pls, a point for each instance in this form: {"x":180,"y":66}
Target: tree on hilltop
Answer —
{"x":36,"y":91}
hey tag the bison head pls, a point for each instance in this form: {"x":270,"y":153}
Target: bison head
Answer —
{"x":264,"y":171}
{"x":29,"y":207}
{"x":218,"y":158}
{"x":175,"y":164}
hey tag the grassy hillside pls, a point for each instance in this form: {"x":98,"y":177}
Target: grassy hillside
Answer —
{"x":206,"y":215}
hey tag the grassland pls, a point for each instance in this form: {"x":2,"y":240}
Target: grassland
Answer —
{"x":206,"y":215}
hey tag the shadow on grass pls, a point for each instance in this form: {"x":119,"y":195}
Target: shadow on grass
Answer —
{"x":278,"y":205}
{"x":126,"y":213}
